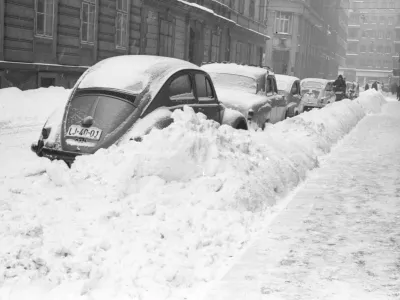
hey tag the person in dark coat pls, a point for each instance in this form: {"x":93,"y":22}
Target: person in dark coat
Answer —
{"x":393,"y":88}
{"x":398,"y":92}
{"x":367,"y":86}
{"x":375,"y":85}
{"x":340,"y":83}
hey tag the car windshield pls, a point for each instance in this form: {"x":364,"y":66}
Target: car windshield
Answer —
{"x":282,"y":85}
{"x":234,"y":81}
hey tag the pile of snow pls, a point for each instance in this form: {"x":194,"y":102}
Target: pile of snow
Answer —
{"x":160,"y":218}
{"x":30,"y":107}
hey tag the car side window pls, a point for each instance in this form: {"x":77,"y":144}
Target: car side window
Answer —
{"x":275,"y":85}
{"x":298,"y":88}
{"x":294,"y":90}
{"x":203,"y":88}
{"x":181,"y":89}
{"x":269,"y":86}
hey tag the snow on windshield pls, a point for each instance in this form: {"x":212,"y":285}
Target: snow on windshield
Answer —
{"x":234,"y":81}
{"x":312,"y":85}
{"x":130,"y":72}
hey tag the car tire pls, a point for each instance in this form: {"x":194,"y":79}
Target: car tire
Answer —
{"x":241,"y":124}
{"x":287,"y":114}
{"x":265,"y":125}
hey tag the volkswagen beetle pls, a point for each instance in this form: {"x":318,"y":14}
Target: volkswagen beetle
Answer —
{"x":116,"y":96}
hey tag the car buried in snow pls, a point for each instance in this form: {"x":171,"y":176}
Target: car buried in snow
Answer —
{"x":316,"y":93}
{"x":249,"y":90}
{"x":124,"y":97}
{"x":289,"y":88}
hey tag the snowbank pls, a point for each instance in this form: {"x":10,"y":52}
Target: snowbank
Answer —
{"x":30,"y":107}
{"x":161,"y":217}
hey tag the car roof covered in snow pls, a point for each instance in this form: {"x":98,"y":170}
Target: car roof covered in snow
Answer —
{"x":235,"y":69}
{"x":133,"y":73}
{"x":320,"y":80}
{"x":285,"y":82}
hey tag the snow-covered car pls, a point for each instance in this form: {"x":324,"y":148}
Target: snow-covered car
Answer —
{"x":316,"y":93}
{"x":250,"y":90}
{"x":352,"y":90}
{"x":128,"y":95}
{"x":289,"y":88}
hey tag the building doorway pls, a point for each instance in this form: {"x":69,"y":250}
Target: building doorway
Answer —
{"x":280,"y":61}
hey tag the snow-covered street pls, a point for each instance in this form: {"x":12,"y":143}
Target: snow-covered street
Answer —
{"x":339,"y":236}
{"x":170,"y":217}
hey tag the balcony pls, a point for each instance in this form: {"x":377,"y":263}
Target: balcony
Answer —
{"x":353,"y":40}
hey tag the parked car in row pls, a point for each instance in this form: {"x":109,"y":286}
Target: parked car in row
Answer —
{"x":352,"y":90}
{"x":251,"y":90}
{"x":289,"y":88}
{"x":112,"y":97}
{"x":316,"y":93}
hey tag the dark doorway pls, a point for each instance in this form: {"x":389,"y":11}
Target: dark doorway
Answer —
{"x":46,"y":82}
{"x":192,"y":45}
{"x":280,"y":59}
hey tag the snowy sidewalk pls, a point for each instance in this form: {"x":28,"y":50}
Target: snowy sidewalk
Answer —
{"x":339,"y":238}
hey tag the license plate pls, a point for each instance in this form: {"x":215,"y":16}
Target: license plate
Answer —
{"x":92,"y":133}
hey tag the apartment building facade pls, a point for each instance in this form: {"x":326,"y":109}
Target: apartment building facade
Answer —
{"x":373,"y":41}
{"x":308,"y":37}
{"x":52,"y":42}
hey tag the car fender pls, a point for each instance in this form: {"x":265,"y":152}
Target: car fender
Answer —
{"x":159,"y":118}
{"x":233,"y":118}
{"x":262,"y":114}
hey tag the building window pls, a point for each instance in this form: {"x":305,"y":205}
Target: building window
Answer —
{"x":380,"y":34}
{"x":44,"y":19}
{"x":122,"y":24}
{"x":379,"y":49}
{"x":241,"y":6}
{"x":364,"y":19}
{"x":389,"y":35}
{"x":363,"y":49}
{"x":388,"y":49}
{"x":166,"y":36}
{"x":252,"y":8}
{"x":261,"y":11}
{"x":283,"y":22}
{"x":382,"y":20}
{"x":390,"y":20}
{"x":88,"y":15}
{"x":371,"y":48}
{"x":215,"y":44}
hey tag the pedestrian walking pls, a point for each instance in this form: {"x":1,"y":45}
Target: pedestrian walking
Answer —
{"x":375,"y":85}
{"x":366,"y":87}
